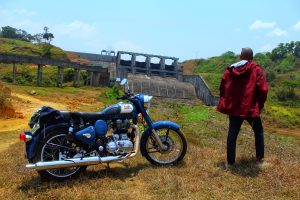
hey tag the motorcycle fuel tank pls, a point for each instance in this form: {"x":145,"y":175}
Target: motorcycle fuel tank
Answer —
{"x":119,"y":110}
{"x":100,"y":128}
{"x":86,"y":135}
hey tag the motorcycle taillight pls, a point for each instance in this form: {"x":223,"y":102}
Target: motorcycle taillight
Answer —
{"x":25,"y":136}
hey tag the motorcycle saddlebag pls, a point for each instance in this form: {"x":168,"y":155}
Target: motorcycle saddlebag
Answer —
{"x":46,"y":116}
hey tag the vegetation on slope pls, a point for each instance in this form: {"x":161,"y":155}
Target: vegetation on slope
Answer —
{"x":282,"y":69}
{"x":18,"y":47}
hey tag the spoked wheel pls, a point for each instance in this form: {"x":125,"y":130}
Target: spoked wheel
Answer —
{"x":55,"y":147}
{"x":176,"y":145}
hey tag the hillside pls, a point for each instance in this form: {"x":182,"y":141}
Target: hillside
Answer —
{"x":189,"y":66}
{"x":18,"y":47}
{"x":282,"y":69}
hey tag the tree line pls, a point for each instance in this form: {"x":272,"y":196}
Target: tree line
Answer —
{"x":281,"y":67}
{"x":19,"y":34}
{"x":284,"y":58}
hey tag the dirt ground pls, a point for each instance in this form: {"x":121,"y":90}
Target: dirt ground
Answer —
{"x":25,"y":105}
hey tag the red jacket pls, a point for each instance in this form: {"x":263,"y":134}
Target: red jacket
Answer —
{"x":243,"y":91}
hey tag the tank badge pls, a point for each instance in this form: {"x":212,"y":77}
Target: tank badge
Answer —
{"x":87,"y":135}
{"x":126,"y":108}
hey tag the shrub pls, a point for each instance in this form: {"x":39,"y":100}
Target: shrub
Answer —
{"x":286,"y":64}
{"x":284,"y":94}
{"x":270,"y":75}
{"x":112,"y":93}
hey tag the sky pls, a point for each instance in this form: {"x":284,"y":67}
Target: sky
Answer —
{"x":185,"y":29}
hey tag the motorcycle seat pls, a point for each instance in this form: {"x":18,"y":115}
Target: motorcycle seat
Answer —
{"x":87,"y":116}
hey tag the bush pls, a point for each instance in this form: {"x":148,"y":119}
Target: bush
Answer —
{"x":286,"y":65}
{"x":112,"y":93}
{"x":46,"y":50}
{"x":284,"y":94}
{"x":270,"y":75}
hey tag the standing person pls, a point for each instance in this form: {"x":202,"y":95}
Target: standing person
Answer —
{"x":243,"y":92}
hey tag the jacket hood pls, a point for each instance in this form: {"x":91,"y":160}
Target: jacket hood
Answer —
{"x":242,"y":67}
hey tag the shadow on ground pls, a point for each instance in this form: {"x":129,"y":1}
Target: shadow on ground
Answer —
{"x":247,"y":167}
{"x":38,"y":184}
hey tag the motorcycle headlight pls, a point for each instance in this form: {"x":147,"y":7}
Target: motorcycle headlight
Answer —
{"x":147,"y":103}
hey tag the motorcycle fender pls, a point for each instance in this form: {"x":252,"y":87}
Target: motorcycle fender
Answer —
{"x":38,"y":136}
{"x":157,"y":125}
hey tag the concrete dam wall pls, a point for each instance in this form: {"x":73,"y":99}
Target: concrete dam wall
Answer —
{"x":202,"y":90}
{"x":161,"y":87}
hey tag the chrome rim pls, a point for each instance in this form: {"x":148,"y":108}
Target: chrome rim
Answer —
{"x":172,"y":140}
{"x":52,"y":151}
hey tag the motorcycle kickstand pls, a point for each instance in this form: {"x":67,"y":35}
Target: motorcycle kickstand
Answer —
{"x":107,"y":165}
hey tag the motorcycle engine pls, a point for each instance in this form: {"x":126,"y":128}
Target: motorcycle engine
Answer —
{"x":119,"y":142}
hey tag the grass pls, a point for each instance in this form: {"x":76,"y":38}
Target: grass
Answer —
{"x":283,"y":116}
{"x":202,"y":175}
{"x":18,"y":47}
{"x":213,"y":80}
{"x":7,"y":139}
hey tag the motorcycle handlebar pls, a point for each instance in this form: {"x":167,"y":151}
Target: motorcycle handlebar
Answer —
{"x":124,"y":97}
{"x":120,"y":98}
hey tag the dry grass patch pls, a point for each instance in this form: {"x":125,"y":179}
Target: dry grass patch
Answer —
{"x":202,"y":175}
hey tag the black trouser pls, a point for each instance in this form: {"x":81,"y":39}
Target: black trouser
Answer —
{"x":234,"y":128}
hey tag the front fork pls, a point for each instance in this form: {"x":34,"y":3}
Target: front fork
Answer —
{"x":161,"y":146}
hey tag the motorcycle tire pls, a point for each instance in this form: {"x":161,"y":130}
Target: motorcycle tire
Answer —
{"x":54,"y":174}
{"x":170,"y":137}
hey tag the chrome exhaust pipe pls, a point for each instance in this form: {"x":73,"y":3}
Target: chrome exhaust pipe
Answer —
{"x":94,"y":160}
{"x":73,"y":162}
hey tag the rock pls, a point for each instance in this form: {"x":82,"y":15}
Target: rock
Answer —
{"x":32,"y":92}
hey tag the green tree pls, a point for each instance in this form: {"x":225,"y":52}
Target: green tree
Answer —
{"x":47,"y":36}
{"x":263,"y":59}
{"x":279,"y":52}
{"x":9,"y":32}
{"x":297,"y":49}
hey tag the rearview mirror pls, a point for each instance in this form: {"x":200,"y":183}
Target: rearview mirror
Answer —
{"x":124,"y":81}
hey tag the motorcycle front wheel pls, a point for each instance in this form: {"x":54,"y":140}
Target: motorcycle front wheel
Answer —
{"x":175,"y":142}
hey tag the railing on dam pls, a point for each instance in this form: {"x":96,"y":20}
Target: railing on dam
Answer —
{"x":147,"y":67}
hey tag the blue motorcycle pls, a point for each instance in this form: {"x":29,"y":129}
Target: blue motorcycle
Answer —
{"x":61,"y":144}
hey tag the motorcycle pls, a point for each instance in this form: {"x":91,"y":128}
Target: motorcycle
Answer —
{"x":61,"y":144}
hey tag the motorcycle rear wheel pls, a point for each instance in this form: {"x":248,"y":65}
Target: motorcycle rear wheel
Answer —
{"x":48,"y":152}
{"x":173,"y":139}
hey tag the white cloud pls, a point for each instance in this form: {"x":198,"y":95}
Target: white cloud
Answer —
{"x":16,"y":13}
{"x":76,"y":30}
{"x":266,"y":48}
{"x":20,"y":19}
{"x":278,"y":32}
{"x":258,"y":24}
{"x":78,"y":36}
{"x":297,"y":26}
